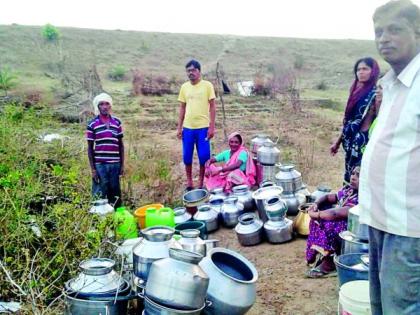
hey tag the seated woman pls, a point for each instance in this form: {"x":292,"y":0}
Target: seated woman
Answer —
{"x":239,"y":169}
{"x":325,"y":226}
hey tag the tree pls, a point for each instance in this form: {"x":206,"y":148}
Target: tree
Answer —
{"x":50,"y":33}
{"x":7,"y":80}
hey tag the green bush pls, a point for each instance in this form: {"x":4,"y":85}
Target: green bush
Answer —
{"x":118,"y":73}
{"x":7,"y":79}
{"x":45,"y":228}
{"x":50,"y":33}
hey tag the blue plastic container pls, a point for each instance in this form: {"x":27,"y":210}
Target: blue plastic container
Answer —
{"x":350,"y":267}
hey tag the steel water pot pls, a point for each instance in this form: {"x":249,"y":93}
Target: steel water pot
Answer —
{"x":351,"y":244}
{"x":258,"y":141}
{"x":217,"y":193}
{"x":155,"y":245}
{"x":249,"y":230}
{"x":289,"y":178}
{"x":268,"y":154}
{"x":293,"y":201}
{"x":191,"y":241}
{"x":320,"y":191}
{"x":209,"y":216}
{"x":275,"y":208}
{"x":244,"y":196}
{"x":153,"y":308}
{"x":262,"y":194}
{"x":178,"y":281}
{"x":231,"y":210}
{"x":181,"y":215}
{"x":279,"y":231}
{"x":232,"y":287}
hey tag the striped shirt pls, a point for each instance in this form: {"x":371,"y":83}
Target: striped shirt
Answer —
{"x":106,"y":140}
{"x":389,"y":192}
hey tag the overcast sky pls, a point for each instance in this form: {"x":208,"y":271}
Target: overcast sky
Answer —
{"x":283,"y":18}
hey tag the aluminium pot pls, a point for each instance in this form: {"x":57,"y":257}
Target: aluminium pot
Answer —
{"x":320,"y":191}
{"x":249,"y":230}
{"x":153,"y":308}
{"x":101,"y":207}
{"x":110,"y":306}
{"x":265,"y":193}
{"x":155,"y":245}
{"x":275,"y":208}
{"x":217,"y":193}
{"x":279,"y":231}
{"x":257,"y":142}
{"x":268,"y":154}
{"x":231,"y":210}
{"x":181,"y":215}
{"x":195,"y":198}
{"x":232,"y":287}
{"x":289,"y":178}
{"x":244,"y":196}
{"x":361,"y":231}
{"x":293,"y":201}
{"x":209,"y":216}
{"x":178,"y":281}
{"x":190,"y":241}
{"x":351,"y":244}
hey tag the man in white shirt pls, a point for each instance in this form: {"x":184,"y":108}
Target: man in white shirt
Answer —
{"x":389,"y":192}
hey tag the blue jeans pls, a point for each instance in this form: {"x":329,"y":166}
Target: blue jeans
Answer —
{"x":394,"y":273}
{"x":109,"y":182}
{"x":197,"y":138}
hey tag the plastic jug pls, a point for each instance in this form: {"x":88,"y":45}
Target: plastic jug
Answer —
{"x":140,"y":213}
{"x":164,"y":216}
{"x":126,"y":224}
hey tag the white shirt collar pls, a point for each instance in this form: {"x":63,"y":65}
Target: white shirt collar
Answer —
{"x":406,"y":76}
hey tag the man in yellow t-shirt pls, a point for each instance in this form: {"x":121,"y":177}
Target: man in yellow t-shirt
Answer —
{"x":196,"y":121}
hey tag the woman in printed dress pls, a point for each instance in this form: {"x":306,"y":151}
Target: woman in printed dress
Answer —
{"x":325,"y":225}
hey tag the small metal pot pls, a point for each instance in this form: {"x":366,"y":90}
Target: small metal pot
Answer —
{"x":279,"y":231}
{"x":275,"y":208}
{"x":190,"y":241}
{"x":265,"y":193}
{"x":231,"y":210}
{"x":195,"y":197}
{"x":249,"y":230}
{"x":209,"y":216}
{"x":361,"y":231}
{"x":181,"y":215}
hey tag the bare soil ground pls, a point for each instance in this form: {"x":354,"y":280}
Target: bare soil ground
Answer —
{"x":304,"y":140}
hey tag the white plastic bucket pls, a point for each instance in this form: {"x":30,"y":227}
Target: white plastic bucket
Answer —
{"x":354,"y":298}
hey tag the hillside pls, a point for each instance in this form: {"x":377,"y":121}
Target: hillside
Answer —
{"x":331,"y":61}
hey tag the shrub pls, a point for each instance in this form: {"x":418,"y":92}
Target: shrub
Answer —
{"x":50,"y":33}
{"x":118,"y":73}
{"x":7,"y":80}
{"x":151,"y":85}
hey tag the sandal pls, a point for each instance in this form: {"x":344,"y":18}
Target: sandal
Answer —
{"x":314,"y":273}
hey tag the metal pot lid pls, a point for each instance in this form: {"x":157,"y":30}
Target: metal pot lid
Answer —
{"x":97,"y":266}
{"x":267,"y":192}
{"x":158,"y":233}
{"x":185,"y":256}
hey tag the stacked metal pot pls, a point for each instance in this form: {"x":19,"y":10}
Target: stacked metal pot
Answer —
{"x":266,"y":157}
{"x":278,"y":228}
{"x":98,"y":289}
{"x":176,"y":285}
{"x":291,"y":181}
{"x":356,"y":238}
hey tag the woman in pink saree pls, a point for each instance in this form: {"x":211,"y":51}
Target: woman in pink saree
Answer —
{"x":239,"y":169}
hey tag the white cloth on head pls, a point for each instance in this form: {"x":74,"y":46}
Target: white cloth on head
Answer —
{"x":103,"y":97}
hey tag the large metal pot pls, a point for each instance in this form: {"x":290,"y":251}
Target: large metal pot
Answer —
{"x":155,"y":245}
{"x":351,"y":244}
{"x":249,"y":230}
{"x":191,"y":241}
{"x":320,"y":191}
{"x":275,"y":208}
{"x":257,"y":142}
{"x":153,"y":308}
{"x":178,"y":281}
{"x":232,"y":288}
{"x":209,"y":216}
{"x":110,"y":306}
{"x":101,"y":207}
{"x":293,"y":201}
{"x":279,"y":231}
{"x":245,"y":197}
{"x":265,"y":193}
{"x":181,"y":215}
{"x":195,"y":197}
{"x":268,"y":154}
{"x":361,"y":231}
{"x":289,"y":178}
{"x":97,"y":279}
{"x":231,"y":210}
